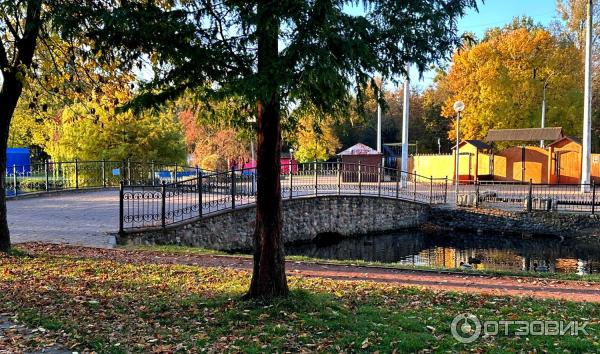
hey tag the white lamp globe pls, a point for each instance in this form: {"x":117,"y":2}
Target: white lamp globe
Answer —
{"x":459,"y":106}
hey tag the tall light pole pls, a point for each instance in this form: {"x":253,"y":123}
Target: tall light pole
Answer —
{"x":544,"y":110}
{"x":405,"y":115}
{"x":379,"y":149}
{"x":587,"y":104}
{"x":544,"y":105}
{"x":459,"y":106}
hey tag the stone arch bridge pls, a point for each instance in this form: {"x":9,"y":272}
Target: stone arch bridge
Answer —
{"x":217,"y":210}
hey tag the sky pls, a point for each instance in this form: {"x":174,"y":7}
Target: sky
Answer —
{"x":496,"y":13}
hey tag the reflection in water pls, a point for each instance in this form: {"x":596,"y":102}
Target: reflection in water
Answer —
{"x":450,"y":249}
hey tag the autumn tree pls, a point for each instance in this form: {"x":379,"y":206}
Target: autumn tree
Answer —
{"x":96,"y":131}
{"x":230,"y":49}
{"x":65,"y":79}
{"x":215,"y":127}
{"x":314,"y":138}
{"x":501,"y":82}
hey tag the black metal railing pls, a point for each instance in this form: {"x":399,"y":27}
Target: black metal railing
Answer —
{"x":66,"y":175}
{"x":157,"y":206}
{"x":529,"y":196}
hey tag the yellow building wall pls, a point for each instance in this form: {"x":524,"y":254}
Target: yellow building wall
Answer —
{"x":441,"y":166}
{"x":438,"y":166}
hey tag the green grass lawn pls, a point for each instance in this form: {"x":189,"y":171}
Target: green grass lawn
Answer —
{"x":113,"y":307}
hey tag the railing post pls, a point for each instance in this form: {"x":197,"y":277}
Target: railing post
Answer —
{"x":76,"y":174}
{"x":316,"y":179}
{"x":128,"y":171}
{"x":359,"y":178}
{"x":530,"y":196}
{"x":232,"y":188}
{"x":163,"y":207}
{"x":415,"y":187}
{"x":477,"y":194}
{"x":175,"y":174}
{"x":430,"y":189}
{"x":398,"y":177}
{"x":46,"y":173}
{"x":593,"y":197}
{"x":291,"y":175}
{"x":446,"y":191}
{"x":153,"y":171}
{"x":103,"y":165}
{"x":15,"y":188}
{"x":379,"y":173}
{"x":123,"y":170}
{"x":339,"y":178}
{"x":121,"y":208}
{"x":199,"y":186}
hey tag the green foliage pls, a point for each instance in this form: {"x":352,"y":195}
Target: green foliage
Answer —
{"x":108,"y":135}
{"x":328,"y":52}
{"x":426,"y":124}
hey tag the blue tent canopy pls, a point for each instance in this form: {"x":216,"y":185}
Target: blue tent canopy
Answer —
{"x":18,"y":158}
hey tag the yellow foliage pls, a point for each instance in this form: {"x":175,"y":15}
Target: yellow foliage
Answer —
{"x":501,"y":83}
{"x":315,"y":138}
{"x":214,"y":162}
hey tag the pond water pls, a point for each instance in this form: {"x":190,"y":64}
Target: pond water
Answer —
{"x":440,"y":249}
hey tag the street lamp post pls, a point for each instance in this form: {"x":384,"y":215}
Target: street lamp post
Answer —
{"x":459,"y":106}
{"x":544,"y":105}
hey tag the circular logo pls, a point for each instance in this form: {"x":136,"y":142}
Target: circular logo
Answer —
{"x":466,"y":328}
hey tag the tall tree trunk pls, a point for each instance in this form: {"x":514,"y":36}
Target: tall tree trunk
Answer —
{"x":14,"y":76}
{"x":268,"y":277}
{"x":9,"y":96}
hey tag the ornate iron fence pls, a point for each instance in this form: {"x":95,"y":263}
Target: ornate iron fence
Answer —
{"x":65,"y":175}
{"x":157,"y":206}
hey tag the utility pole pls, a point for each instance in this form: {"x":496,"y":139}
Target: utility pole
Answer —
{"x":587,"y":105}
{"x":405,"y":114}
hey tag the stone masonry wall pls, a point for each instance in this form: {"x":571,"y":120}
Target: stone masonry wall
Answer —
{"x":303,"y":220}
{"x":537,"y":222}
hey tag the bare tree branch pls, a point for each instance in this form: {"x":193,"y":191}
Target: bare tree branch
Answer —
{"x":10,"y":27}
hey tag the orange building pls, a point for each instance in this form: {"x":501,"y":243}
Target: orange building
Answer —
{"x":558,"y":163}
{"x":564,"y":160}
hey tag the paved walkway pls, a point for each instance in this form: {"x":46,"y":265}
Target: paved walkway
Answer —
{"x":17,"y":338}
{"x":474,"y":284}
{"x":78,"y":218}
